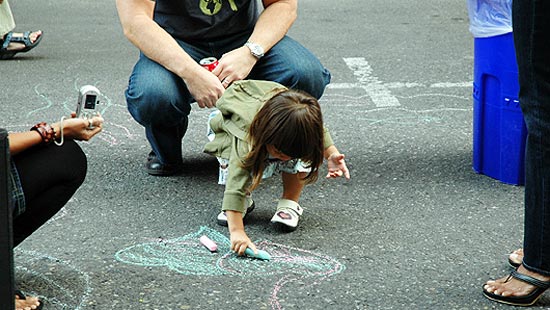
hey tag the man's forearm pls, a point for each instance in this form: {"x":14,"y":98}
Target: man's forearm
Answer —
{"x":140,"y":29}
{"x":274,"y":22}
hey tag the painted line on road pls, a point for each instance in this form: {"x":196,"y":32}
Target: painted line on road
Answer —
{"x":396,"y":85}
{"x":451,"y":85}
{"x":380,"y":92}
{"x":377,"y":91}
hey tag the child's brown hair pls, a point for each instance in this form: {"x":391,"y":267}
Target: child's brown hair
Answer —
{"x":292,"y":122}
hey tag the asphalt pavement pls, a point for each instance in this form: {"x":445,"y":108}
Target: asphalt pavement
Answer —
{"x":415,"y":227}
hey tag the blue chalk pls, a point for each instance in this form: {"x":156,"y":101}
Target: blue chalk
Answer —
{"x":261,"y":254}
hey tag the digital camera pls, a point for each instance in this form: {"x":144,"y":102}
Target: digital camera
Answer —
{"x":88,"y":99}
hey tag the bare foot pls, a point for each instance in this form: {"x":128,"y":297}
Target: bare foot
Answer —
{"x":16,"y":46}
{"x":509,"y":286}
{"x":516,"y":257}
{"x":29,"y":303}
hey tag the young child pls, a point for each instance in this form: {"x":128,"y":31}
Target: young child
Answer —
{"x":262,"y":128}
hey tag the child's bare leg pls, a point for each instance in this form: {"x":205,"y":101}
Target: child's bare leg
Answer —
{"x":293,"y":184}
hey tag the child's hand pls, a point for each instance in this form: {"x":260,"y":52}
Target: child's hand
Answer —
{"x":240,"y":241}
{"x":337,"y":166}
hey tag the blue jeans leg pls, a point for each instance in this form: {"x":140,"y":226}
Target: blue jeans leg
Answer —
{"x":159,"y":101}
{"x":531,"y":19}
{"x":291,"y":64}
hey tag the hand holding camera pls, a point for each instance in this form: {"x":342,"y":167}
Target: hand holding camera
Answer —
{"x":77,"y":128}
{"x":86,"y":122}
{"x":88,"y":99}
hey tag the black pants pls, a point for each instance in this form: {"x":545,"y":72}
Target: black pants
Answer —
{"x":531,"y":20}
{"x":50,"y":175}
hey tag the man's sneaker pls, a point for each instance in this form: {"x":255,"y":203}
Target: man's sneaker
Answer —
{"x":222,"y":218}
{"x":287,"y":215}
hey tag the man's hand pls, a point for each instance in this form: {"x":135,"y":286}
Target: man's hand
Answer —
{"x":235,"y":66}
{"x":205,"y":87}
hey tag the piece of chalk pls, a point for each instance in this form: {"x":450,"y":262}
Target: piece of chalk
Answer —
{"x":261,"y":254}
{"x":208,"y":243}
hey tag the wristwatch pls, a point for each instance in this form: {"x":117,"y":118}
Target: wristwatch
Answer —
{"x":255,"y":49}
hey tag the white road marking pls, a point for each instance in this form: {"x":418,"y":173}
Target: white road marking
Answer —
{"x":395,"y":85}
{"x":380,"y":92}
{"x":451,"y":85}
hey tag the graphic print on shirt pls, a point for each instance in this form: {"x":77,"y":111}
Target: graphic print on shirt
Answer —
{"x":213,"y":7}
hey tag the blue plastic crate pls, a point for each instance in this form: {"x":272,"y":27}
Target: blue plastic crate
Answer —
{"x":499,"y":128}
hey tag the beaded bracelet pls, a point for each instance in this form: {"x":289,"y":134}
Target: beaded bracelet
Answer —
{"x":47,"y":133}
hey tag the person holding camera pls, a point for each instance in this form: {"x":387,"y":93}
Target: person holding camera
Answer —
{"x":247,"y":36}
{"x":47,"y":167}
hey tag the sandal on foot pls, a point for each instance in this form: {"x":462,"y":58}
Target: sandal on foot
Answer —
{"x":287,"y":215}
{"x":22,"y":296}
{"x":526,"y":300}
{"x":250,"y":205}
{"x":10,"y":38}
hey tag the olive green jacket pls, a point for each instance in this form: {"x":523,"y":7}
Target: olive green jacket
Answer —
{"x":238,"y":106}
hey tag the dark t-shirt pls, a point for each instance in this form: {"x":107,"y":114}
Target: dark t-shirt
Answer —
{"x":204,"y":20}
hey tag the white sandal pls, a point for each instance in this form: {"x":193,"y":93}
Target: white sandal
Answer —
{"x":287,"y":215}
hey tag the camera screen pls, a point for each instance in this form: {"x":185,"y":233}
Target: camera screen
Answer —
{"x":89,"y":102}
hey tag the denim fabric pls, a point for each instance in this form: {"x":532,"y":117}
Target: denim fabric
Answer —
{"x":159,"y":100}
{"x":531,"y":20}
{"x":17,"y":195}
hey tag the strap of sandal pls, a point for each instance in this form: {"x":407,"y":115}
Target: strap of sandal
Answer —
{"x":7,"y":40}
{"x":20,"y":294}
{"x":25,"y":39}
{"x":530,"y":280}
{"x":289,"y":205}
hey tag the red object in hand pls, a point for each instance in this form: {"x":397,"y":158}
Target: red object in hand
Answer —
{"x":209,"y":63}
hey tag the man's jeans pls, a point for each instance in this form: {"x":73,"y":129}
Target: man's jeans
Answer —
{"x":159,"y":100}
{"x":531,"y":20}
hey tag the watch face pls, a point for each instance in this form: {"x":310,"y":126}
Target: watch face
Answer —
{"x":255,"y":49}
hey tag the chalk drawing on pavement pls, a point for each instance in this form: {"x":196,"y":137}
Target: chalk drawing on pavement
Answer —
{"x":57,"y":282}
{"x":186,"y":255}
{"x":114,"y":132}
{"x":69,"y":103}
